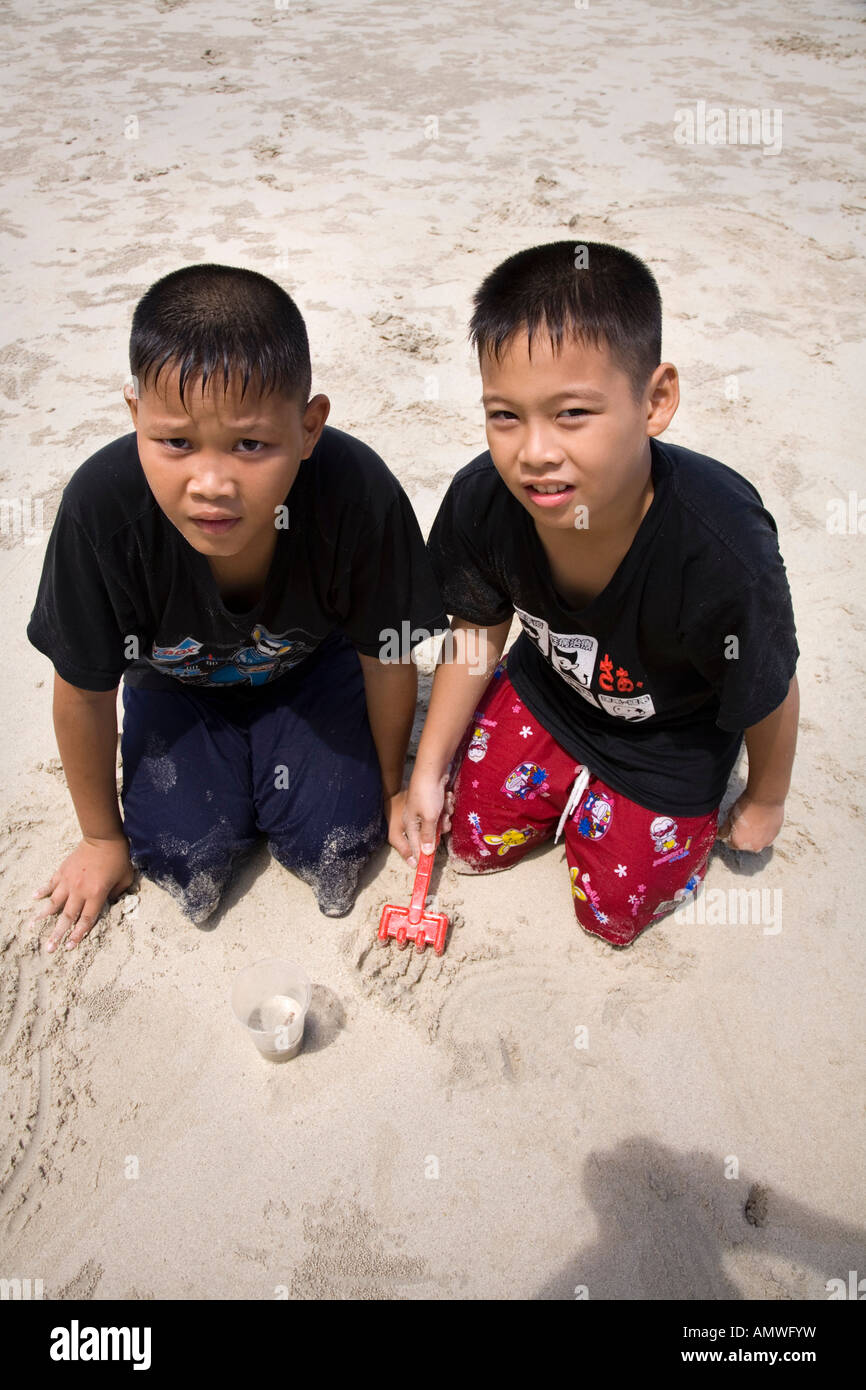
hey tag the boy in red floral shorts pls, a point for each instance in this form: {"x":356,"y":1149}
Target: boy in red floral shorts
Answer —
{"x":657,"y":627}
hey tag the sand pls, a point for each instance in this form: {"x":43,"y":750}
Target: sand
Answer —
{"x":536,"y":1113}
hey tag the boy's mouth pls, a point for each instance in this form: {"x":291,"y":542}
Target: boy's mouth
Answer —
{"x":551,"y":494}
{"x":215,"y":528}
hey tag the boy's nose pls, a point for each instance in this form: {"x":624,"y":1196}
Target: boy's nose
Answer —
{"x":212,"y":473}
{"x":538,"y":447}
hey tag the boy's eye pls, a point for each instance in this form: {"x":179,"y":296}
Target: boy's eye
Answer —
{"x":176,"y":445}
{"x":573,"y":411}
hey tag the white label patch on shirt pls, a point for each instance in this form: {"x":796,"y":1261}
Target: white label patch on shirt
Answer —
{"x":633,"y":709}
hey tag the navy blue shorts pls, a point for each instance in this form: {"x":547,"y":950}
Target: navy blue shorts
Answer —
{"x":204,"y":777}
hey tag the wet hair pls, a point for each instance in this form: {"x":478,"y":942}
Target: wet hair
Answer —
{"x":219,"y":319}
{"x":606,"y":296}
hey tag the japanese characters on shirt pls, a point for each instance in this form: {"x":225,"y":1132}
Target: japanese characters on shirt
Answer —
{"x":574,"y":656}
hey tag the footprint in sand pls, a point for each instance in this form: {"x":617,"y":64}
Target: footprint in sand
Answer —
{"x":504,"y":1022}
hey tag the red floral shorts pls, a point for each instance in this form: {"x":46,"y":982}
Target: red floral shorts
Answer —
{"x":515,"y":787}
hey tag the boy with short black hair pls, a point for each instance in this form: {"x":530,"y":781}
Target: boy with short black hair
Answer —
{"x":236,"y":561}
{"x":656,"y":615}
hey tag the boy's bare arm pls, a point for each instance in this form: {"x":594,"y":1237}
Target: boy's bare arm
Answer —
{"x":391,"y":689}
{"x":461,"y":678}
{"x":85,"y":723}
{"x":771,"y":746}
{"x":392,"y":694}
{"x":467,"y":662}
{"x":756,"y":818}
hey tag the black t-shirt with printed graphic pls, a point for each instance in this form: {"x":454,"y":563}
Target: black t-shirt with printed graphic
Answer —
{"x":122,"y":593}
{"x":692,"y":641}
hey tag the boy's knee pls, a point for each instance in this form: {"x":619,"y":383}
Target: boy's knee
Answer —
{"x":198,"y":900}
{"x":621,"y":935}
{"x":335,"y":890}
{"x":334,"y":873}
{"x":460,"y":865}
{"x":194,"y":873}
{"x":196,"y":890}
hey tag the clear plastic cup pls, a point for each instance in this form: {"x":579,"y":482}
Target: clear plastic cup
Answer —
{"x":271,"y":999}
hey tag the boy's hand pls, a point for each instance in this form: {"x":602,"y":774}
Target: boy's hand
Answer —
{"x":394,"y":816}
{"x":752,"y":825}
{"x":94,"y":871}
{"x":424,"y":802}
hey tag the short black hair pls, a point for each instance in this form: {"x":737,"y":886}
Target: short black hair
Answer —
{"x":211,"y":318}
{"x":606,"y":296}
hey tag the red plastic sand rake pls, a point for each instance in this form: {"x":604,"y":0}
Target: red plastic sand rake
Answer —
{"x":412,"y":923}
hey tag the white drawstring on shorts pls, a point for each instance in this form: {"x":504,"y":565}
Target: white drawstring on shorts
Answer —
{"x":579,"y":786}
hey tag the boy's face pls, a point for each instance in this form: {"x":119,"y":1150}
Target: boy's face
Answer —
{"x":220,"y":456}
{"x":570,"y":418}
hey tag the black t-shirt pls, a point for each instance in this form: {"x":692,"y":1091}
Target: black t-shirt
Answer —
{"x":122,"y":593}
{"x":692,"y":641}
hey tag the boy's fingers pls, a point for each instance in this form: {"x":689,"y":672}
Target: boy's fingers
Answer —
{"x":421,"y":832}
{"x":401,"y":844}
{"x":51,"y":907}
{"x":64,"y":922}
{"x":411,"y":828}
{"x":428,"y":835}
{"x":47,"y":888}
{"x":73,"y":910}
{"x":85,"y":922}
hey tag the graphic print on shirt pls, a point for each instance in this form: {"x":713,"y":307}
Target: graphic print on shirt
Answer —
{"x":573,"y":656}
{"x":535,"y":628}
{"x":253,"y":664}
{"x":623,"y":705}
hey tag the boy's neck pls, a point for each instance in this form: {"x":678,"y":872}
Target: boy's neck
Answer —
{"x":242,"y":573}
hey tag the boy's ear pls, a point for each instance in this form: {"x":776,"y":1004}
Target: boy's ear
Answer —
{"x":664,"y":398}
{"x":130,"y":395}
{"x":315,"y":414}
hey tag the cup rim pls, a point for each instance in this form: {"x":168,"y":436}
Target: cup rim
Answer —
{"x":272,"y":960}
